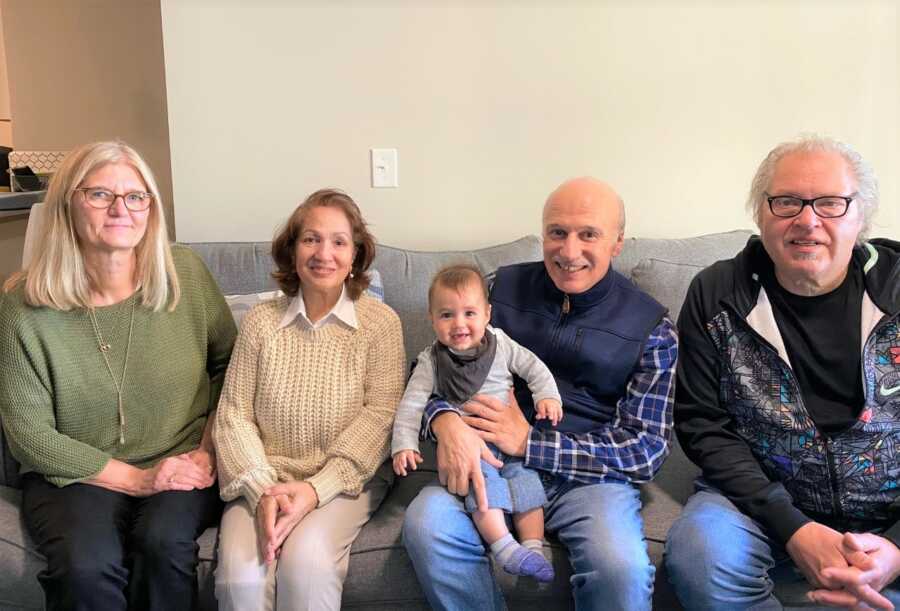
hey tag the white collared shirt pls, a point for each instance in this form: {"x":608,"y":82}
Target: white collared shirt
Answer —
{"x":343,"y":312}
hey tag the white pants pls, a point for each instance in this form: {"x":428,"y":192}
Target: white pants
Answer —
{"x":313,"y":564}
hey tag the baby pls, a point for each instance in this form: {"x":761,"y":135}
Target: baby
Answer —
{"x":470,"y":358}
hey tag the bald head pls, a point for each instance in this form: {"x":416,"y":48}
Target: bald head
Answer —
{"x":583,"y":223}
{"x":587,"y":192}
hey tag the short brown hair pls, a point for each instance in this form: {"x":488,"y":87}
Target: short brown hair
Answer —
{"x":284,"y":244}
{"x":456,"y":277}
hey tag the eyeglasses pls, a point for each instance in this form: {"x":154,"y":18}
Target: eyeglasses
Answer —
{"x":136,"y":201}
{"x":827,"y":207}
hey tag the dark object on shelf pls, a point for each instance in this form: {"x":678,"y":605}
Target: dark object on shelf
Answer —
{"x":4,"y":166}
{"x":26,"y":179}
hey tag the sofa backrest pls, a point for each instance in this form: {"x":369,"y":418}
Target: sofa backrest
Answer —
{"x":662,"y":267}
{"x":244,"y":268}
{"x":406,"y":275}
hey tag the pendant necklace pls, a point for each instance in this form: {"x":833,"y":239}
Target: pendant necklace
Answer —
{"x":104,"y":349}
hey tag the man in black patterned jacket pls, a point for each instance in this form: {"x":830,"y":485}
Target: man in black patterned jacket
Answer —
{"x":788,"y":397}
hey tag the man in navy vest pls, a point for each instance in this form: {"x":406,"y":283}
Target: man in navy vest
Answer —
{"x":789,"y":398}
{"x":612,"y":351}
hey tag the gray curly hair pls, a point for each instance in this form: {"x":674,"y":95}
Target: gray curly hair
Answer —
{"x":866,"y":182}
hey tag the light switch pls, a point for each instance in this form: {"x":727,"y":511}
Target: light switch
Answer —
{"x":384,"y":168}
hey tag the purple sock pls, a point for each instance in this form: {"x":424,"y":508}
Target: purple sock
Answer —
{"x":518,"y":560}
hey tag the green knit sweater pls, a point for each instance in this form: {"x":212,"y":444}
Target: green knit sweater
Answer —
{"x":58,"y":403}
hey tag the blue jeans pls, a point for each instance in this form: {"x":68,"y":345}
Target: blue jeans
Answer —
{"x":514,"y":488}
{"x":600,"y":526}
{"x":718,"y":558}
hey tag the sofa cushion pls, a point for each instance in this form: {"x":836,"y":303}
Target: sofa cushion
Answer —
{"x":19,"y":560}
{"x":241,"y":304}
{"x":702,"y":250}
{"x":406,"y":284}
{"x":665,"y":496}
{"x":240,"y":268}
{"x":9,"y":466}
{"x":667,"y":282}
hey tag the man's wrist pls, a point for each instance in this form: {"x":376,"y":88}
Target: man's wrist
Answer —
{"x":523,"y":446}
{"x":443,"y":422}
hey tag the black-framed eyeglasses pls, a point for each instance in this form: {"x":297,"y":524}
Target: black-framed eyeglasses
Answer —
{"x":826,"y":207}
{"x":97,"y":197}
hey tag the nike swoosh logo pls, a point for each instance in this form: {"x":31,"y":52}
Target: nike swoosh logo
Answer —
{"x":888,"y":391}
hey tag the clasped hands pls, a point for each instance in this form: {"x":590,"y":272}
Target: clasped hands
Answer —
{"x":279,"y":511}
{"x":848,"y":569}
{"x":192,"y":470}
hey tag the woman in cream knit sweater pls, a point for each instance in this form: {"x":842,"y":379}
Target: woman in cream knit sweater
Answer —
{"x":305,"y":416}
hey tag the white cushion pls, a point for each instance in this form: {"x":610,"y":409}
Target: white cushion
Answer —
{"x":241,"y":304}
{"x":33,"y":230}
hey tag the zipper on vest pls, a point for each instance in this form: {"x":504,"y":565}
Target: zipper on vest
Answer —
{"x":564,"y":311}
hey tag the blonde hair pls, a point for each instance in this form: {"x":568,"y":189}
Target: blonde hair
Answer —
{"x":56,"y":276}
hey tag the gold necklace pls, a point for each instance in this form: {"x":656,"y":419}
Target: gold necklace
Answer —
{"x":104,"y":348}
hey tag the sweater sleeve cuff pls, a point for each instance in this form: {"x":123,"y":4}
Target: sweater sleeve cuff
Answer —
{"x":789,"y":520}
{"x":546,"y":395}
{"x":435,"y":408}
{"x":542,"y":450}
{"x":255,"y":485}
{"x":402,"y":442}
{"x":327,"y":483}
{"x":405,"y":436}
{"x":98,"y":462}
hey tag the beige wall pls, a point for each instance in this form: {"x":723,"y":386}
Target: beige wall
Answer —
{"x":75,"y":77}
{"x":5,"y":117}
{"x":12,"y":229}
{"x":491,"y":104}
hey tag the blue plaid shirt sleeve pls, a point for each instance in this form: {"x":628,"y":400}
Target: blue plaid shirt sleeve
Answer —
{"x":434,"y":408}
{"x":632,"y":447}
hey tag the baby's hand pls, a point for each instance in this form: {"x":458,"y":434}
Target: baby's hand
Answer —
{"x":406,"y":459}
{"x":549,"y":409}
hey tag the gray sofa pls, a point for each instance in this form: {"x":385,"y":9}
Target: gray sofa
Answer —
{"x":380,"y":574}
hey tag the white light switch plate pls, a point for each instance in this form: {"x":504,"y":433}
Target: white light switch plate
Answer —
{"x":384,"y":168}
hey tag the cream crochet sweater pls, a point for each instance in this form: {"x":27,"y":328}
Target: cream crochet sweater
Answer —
{"x":314,"y":405}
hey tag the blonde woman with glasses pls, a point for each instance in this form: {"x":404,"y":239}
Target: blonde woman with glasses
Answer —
{"x":113,"y":347}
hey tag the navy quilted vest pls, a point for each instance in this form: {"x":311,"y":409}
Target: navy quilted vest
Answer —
{"x":592,"y":349}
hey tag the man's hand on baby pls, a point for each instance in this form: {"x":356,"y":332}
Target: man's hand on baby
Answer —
{"x":549,"y":409}
{"x":406,"y":459}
